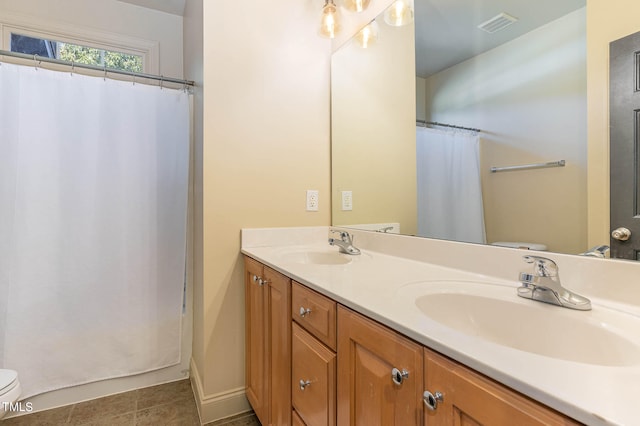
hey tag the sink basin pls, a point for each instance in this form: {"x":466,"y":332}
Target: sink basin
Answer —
{"x":316,"y":257}
{"x":495,"y":314}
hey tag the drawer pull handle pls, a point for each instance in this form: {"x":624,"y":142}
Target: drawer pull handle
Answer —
{"x":399,"y":376}
{"x":304,"y":312}
{"x":431,"y":400}
{"x":257,"y":279}
{"x":304,"y":384}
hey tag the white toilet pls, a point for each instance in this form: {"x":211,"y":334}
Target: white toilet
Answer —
{"x":9,"y":390}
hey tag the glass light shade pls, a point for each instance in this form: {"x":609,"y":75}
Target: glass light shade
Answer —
{"x":399,"y":13}
{"x":356,"y":5}
{"x":368,"y":35}
{"x":330,"y":23}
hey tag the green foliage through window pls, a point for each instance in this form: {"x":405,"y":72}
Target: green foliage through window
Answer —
{"x":98,"y":57}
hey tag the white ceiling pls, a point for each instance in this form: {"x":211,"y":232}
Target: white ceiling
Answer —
{"x":175,"y":7}
{"x":447,"y":33}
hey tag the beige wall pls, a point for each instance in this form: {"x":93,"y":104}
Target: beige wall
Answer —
{"x":266,"y":140}
{"x":529,"y":98}
{"x":606,"y":21}
{"x":373,"y":130}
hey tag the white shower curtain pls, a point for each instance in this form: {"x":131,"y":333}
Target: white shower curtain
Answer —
{"x":449,"y":188}
{"x":93,"y":205}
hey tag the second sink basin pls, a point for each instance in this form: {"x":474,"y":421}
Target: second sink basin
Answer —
{"x":494,"y":313}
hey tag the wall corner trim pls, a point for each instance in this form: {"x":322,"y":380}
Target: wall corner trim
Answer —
{"x":220,"y":405}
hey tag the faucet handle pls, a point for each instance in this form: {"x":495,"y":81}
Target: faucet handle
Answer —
{"x":344,"y":235}
{"x":542,"y":266}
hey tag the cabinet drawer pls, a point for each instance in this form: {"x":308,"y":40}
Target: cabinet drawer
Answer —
{"x":315,"y":312}
{"x":313,"y":379}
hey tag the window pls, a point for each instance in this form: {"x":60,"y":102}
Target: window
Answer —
{"x":76,"y":53}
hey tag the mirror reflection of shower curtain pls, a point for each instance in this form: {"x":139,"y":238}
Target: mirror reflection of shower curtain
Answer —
{"x":93,"y":209}
{"x":449,"y":188}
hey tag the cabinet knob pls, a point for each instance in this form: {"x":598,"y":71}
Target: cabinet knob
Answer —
{"x":304,"y":312}
{"x":431,"y":400}
{"x":304,"y":384}
{"x":399,"y":376}
{"x":259,"y":280}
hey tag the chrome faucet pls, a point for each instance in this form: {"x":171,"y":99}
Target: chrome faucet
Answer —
{"x":344,"y":243}
{"x":385,"y":229}
{"x":597,"y":251}
{"x":544,"y":285}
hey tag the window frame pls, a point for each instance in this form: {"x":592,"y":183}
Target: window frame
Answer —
{"x":148,"y":50}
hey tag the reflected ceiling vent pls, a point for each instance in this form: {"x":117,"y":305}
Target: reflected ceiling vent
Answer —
{"x":497,"y":23}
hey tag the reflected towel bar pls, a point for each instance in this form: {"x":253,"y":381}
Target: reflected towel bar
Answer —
{"x":560,"y":163}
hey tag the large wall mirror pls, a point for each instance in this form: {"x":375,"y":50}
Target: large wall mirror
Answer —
{"x":523,"y":86}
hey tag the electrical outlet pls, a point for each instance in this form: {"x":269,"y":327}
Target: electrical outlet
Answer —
{"x":347,"y":201}
{"x":312,"y":200}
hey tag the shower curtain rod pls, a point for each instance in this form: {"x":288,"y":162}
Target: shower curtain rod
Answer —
{"x":435,"y":123}
{"x":39,"y":59}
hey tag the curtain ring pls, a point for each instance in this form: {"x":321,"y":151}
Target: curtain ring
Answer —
{"x":35,"y":61}
{"x":73,"y":67}
{"x":105,"y":73}
{"x":161,"y":82}
{"x":134,"y":79}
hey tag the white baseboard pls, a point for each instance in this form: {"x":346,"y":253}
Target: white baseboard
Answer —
{"x":217,"y":406}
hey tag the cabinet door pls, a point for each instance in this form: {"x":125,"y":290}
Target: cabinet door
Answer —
{"x":257,"y":339}
{"x":280,"y":346}
{"x":314,"y":379}
{"x":296,"y":420}
{"x":367,"y":354}
{"x":470,"y":399}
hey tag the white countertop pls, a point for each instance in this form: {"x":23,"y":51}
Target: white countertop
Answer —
{"x":378,"y":285}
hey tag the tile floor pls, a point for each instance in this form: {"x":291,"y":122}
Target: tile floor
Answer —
{"x":171,"y":404}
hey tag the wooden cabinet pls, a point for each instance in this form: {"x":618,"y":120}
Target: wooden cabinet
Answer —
{"x":471,"y":399}
{"x":268,"y":343}
{"x":370,"y":358}
{"x":313,"y":362}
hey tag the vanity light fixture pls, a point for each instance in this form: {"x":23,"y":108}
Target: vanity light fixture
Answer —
{"x":356,"y":5}
{"x":330,"y":23}
{"x":368,"y":35}
{"x":400,"y":13}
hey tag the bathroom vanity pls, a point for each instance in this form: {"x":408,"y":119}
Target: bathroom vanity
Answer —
{"x":381,"y":339}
